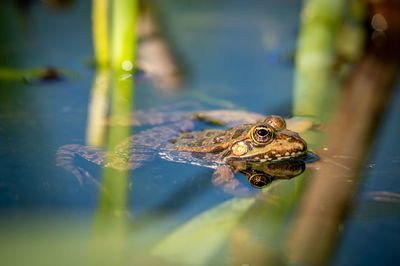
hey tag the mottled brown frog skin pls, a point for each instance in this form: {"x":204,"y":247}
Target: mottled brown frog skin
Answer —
{"x":269,"y":140}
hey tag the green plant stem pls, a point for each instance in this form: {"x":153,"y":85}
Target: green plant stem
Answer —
{"x":100,"y":32}
{"x":111,"y":223}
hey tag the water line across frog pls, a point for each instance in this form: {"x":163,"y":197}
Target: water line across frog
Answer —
{"x":250,"y":139}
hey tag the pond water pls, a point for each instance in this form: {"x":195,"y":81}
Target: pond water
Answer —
{"x":235,"y":56}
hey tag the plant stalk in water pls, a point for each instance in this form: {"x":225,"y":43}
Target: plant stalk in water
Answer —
{"x":111,"y":223}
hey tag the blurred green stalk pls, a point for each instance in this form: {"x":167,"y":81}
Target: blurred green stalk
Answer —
{"x":100,"y":32}
{"x":123,"y":43}
{"x":98,"y":105}
{"x":110,"y":226}
{"x":315,"y":89}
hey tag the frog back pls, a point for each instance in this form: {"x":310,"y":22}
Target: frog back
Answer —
{"x":210,"y":140}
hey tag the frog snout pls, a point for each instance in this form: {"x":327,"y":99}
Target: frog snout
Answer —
{"x":297,"y":143}
{"x":303,"y":144}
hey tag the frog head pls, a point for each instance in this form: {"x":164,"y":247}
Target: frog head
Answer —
{"x":269,"y":140}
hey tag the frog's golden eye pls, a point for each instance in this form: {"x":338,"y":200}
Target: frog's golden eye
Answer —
{"x":262,"y":134}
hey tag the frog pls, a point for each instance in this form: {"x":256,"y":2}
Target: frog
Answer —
{"x":246,"y":141}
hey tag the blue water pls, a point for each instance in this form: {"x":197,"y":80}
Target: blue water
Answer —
{"x":372,"y":229}
{"x":226,"y":60}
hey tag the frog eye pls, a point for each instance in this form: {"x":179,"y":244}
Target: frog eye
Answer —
{"x":259,"y":180}
{"x":262,"y":134}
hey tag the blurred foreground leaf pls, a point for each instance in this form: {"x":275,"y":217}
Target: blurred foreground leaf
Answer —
{"x":200,"y":238}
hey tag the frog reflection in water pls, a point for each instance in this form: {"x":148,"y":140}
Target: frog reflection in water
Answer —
{"x":259,"y":148}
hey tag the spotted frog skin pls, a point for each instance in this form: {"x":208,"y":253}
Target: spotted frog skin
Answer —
{"x":249,"y":138}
